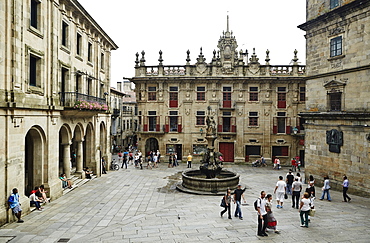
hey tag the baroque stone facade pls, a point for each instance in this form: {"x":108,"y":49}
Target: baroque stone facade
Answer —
{"x":54,"y":118}
{"x":337,"y":109}
{"x":254,"y":105}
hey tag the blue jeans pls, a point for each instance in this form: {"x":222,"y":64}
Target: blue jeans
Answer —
{"x":37,"y":204}
{"x":289,"y":189}
{"x":238,"y":210}
{"x":323,"y":195}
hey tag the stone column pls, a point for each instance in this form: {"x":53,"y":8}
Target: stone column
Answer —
{"x":79,"y":159}
{"x":67,"y":159}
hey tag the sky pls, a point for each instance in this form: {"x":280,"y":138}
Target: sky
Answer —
{"x":177,"y":26}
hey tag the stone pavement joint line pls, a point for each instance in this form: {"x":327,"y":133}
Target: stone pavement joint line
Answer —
{"x":136,"y":205}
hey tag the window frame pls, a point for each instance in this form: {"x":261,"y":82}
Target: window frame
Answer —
{"x":78,"y":44}
{"x":253,"y":94}
{"x":200,"y":118}
{"x":201,"y":94}
{"x":336,"y":46}
{"x":253,"y":119}
{"x":35,"y":14}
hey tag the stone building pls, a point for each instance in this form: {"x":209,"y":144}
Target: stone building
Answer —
{"x":338,"y":105}
{"x":124,"y":117}
{"x":54,"y":118}
{"x":254,"y":105}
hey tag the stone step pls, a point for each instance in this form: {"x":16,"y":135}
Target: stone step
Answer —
{"x":77,"y":182}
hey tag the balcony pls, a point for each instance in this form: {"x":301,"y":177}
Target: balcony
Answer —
{"x":77,"y":104}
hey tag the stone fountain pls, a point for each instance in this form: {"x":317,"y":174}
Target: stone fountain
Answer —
{"x":210,"y":179}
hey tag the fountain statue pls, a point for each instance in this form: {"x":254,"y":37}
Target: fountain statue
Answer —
{"x":211,"y":163}
{"x":210,"y":179}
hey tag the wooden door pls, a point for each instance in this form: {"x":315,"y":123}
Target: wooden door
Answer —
{"x":227,"y":149}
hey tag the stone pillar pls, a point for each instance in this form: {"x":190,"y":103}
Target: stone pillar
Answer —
{"x":67,"y":159}
{"x":79,"y":159}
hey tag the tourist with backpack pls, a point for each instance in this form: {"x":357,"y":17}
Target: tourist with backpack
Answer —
{"x":260,"y":206}
{"x":226,"y":203}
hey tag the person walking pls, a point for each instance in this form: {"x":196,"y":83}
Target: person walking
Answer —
{"x":170,"y":160}
{"x":311,"y":186}
{"x":294,"y":164}
{"x":124,"y":161}
{"x":271,"y":221}
{"x":190,"y":158}
{"x":14,"y":204}
{"x":280,"y":192}
{"x":297,"y":188}
{"x":304,"y":209}
{"x":227,"y":198}
{"x":262,"y":215}
{"x":325,"y":189}
{"x":289,"y":181}
{"x":238,"y":195}
{"x":345,"y":189}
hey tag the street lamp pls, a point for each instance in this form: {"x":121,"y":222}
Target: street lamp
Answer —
{"x":295,"y":130}
{"x":201,"y":131}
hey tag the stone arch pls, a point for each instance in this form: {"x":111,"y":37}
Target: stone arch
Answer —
{"x":77,"y":149}
{"x":102,"y":144}
{"x":35,"y":165}
{"x":151,"y":144}
{"x":89,"y":146}
{"x":65,"y":136}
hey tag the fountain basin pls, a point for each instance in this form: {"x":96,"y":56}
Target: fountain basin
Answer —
{"x":193,"y":181}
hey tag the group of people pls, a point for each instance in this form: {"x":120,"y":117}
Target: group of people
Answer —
{"x":38,"y":196}
{"x":172,"y":160}
{"x":291,"y":185}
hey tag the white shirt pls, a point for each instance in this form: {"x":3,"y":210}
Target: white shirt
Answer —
{"x":280,"y":186}
{"x":261,"y":203}
{"x":306,"y":204}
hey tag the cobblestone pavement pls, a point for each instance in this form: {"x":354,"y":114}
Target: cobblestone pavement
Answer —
{"x":136,"y":205}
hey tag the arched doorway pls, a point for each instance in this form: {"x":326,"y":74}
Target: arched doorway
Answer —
{"x":151,"y":144}
{"x":77,"y":149}
{"x":35,"y":168}
{"x":88,"y":147}
{"x":65,"y":150}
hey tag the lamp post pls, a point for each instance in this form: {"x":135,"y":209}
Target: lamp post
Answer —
{"x":295,"y":130}
{"x":201,"y":131}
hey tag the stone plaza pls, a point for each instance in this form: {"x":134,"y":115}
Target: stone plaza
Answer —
{"x":136,"y":205}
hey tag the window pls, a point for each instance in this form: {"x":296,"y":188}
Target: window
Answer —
{"x":152,"y":118}
{"x":280,"y":151}
{"x":201,"y":118}
{"x":201,"y":93}
{"x":89,"y":52}
{"x":302,"y":93}
{"x":173,"y":97}
{"x":226,"y":123}
{"x":152,"y":93}
{"x":199,"y":149}
{"x":34,"y":12}
{"x":34,"y":72}
{"x":64,"y":34}
{"x":78,"y":83}
{"x":89,"y":86}
{"x":173,"y":122}
{"x":253,"y":118}
{"x":253,"y":93}
{"x":334,"y":4}
{"x":281,"y":124}
{"x":78,"y":44}
{"x":102,"y":60}
{"x":226,"y":97}
{"x":335,"y":101}
{"x":253,"y":150}
{"x":281,"y":97}
{"x":64,"y":80}
{"x":336,"y":46}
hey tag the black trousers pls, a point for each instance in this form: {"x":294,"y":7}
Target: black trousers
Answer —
{"x":345,"y":196}
{"x":262,"y":227}
{"x":295,"y":199}
{"x":228,"y":209}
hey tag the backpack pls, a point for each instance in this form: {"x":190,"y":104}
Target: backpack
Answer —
{"x":255,"y":204}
